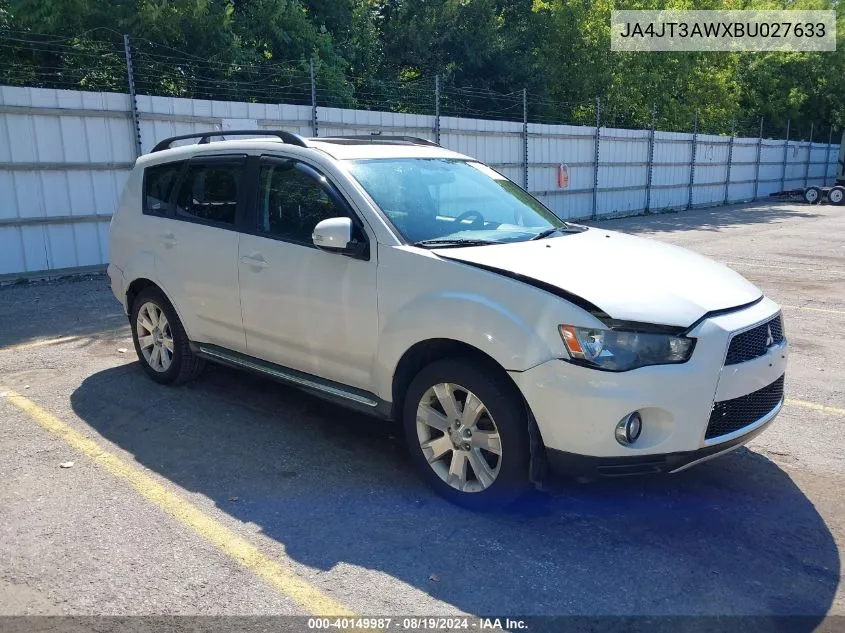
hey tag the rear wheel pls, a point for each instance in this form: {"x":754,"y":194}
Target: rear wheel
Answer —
{"x":812,"y":195}
{"x":160,"y":340}
{"x":836,"y":195}
{"x":466,"y":428}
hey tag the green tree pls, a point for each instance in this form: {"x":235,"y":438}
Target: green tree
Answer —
{"x":384,"y":54}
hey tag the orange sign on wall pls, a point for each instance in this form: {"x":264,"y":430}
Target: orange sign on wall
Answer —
{"x":562,"y":176}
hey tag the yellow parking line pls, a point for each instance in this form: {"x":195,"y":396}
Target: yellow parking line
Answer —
{"x":815,"y":406}
{"x":828,"y":310}
{"x":835,"y":271}
{"x":283,"y":580}
{"x":87,"y":336}
{"x":41,"y":343}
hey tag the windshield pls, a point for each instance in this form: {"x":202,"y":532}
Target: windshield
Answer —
{"x":452,"y":201}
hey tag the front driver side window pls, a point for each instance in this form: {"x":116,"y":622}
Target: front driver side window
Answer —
{"x":291,"y":203}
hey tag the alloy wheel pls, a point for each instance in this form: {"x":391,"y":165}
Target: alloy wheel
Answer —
{"x":155,"y":337}
{"x":459,"y":437}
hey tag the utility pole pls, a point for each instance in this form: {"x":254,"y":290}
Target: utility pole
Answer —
{"x":650,"y":169}
{"x":314,"y":130}
{"x":525,"y":139}
{"x":757,"y":161}
{"x":730,"y":161}
{"x":809,"y":156}
{"x":827,"y":157}
{"x":785,"y":155}
{"x":596,"y":154}
{"x":694,"y":151}
{"x":133,"y":101}
{"x":437,"y":109}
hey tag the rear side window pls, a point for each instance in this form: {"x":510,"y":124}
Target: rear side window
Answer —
{"x":158,"y":185}
{"x":209,"y":192}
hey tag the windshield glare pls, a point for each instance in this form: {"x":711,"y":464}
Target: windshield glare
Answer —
{"x":444,"y":199}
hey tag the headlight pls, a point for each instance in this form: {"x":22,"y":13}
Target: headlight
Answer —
{"x":620,"y":351}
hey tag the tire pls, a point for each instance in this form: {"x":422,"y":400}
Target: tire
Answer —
{"x":500,"y":412}
{"x":812,"y":195}
{"x":171,"y":367}
{"x":836,"y":195}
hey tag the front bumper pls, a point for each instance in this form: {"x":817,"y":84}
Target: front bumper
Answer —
{"x":572,"y":465}
{"x":577,"y":408}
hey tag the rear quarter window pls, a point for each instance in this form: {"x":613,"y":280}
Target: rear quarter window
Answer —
{"x":158,"y":186}
{"x":209,"y":192}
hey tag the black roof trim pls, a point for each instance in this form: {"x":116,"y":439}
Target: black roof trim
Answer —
{"x":286,"y":137}
{"x":376,"y":137}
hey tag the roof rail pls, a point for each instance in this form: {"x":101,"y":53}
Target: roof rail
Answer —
{"x":286,"y":137}
{"x":376,"y":137}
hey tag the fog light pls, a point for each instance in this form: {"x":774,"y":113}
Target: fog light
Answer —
{"x":629,"y":429}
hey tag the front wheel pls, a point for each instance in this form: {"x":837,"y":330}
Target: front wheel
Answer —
{"x":836,"y":195}
{"x":467,"y":430}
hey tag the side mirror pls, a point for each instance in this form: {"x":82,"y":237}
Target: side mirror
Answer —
{"x":335,"y":234}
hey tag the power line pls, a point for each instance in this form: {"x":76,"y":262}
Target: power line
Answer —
{"x":94,"y":60}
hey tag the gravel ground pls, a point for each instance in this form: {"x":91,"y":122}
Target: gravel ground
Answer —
{"x":331,"y":495}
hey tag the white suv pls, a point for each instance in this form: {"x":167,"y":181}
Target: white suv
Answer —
{"x":406,"y":280}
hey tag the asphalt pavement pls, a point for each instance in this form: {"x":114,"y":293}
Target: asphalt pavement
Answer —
{"x":236,"y":495}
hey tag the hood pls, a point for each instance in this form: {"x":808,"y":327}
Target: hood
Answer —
{"x":628,"y":278}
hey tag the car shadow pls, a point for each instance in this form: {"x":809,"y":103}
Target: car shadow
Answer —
{"x":734,"y":536}
{"x":714,"y":219}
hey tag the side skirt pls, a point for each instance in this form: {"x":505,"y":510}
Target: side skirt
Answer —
{"x":350,"y":397}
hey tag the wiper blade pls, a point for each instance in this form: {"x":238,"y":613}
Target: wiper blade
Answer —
{"x":445,"y":242}
{"x":566,"y":228}
{"x":545,"y":233}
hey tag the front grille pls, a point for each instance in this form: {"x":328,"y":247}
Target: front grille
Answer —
{"x":752,"y":343}
{"x":731,"y":415}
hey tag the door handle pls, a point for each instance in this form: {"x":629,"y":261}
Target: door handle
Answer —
{"x":168,"y":239}
{"x":254,"y":260}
